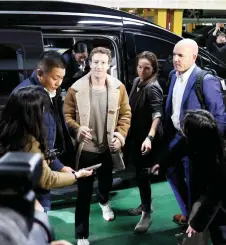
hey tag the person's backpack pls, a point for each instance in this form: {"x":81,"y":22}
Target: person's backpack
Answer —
{"x":199,"y":85}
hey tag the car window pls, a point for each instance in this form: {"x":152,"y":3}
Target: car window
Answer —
{"x":19,"y":53}
{"x":11,"y":66}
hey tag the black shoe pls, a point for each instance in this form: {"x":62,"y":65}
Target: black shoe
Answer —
{"x":137,"y":211}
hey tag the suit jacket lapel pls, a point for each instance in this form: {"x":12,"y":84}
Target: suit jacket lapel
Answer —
{"x":140,"y":95}
{"x":170,"y":94}
{"x":189,"y":86}
{"x":135,"y":83}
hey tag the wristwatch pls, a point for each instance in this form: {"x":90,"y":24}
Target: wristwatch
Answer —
{"x":151,"y":138}
{"x":76,"y":177}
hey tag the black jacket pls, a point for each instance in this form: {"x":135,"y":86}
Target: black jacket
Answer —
{"x":144,"y":104}
{"x":218,"y":50}
{"x":207,"y":186}
{"x":73,"y":72}
{"x":207,"y":192}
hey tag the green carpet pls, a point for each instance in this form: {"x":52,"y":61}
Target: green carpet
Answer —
{"x":120,"y":231}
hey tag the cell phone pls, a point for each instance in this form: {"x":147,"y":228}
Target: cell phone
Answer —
{"x":181,"y":235}
{"x":94,"y":167}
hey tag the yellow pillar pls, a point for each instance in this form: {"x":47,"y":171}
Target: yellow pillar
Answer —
{"x":189,"y":27}
{"x":148,"y":12}
{"x":176,"y":20}
{"x":160,"y":17}
{"x":193,"y":26}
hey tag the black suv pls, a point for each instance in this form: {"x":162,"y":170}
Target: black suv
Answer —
{"x":29,"y":28}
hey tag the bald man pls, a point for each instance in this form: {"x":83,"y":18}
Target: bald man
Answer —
{"x":181,"y":98}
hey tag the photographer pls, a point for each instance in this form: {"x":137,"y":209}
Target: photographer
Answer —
{"x":216,"y":43}
{"x":21,"y":129}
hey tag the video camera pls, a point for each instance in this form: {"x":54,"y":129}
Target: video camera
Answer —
{"x":52,"y":154}
{"x":19,"y":175}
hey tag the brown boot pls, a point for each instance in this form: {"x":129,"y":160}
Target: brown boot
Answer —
{"x":179,"y":219}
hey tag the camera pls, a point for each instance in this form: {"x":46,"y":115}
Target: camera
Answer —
{"x":20,"y":174}
{"x":52,"y":154}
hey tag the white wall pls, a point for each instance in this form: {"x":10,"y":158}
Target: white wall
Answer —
{"x":166,"y":4}
{"x":158,"y":4}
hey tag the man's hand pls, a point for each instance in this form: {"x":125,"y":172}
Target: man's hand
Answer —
{"x":217,"y":27}
{"x":85,"y":135}
{"x":146,"y":147}
{"x":155,"y":169}
{"x":66,"y":169}
{"x":115,"y":144}
{"x":190,"y":231}
{"x":83,"y":173}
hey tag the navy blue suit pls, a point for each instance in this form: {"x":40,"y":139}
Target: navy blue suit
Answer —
{"x":177,"y":174}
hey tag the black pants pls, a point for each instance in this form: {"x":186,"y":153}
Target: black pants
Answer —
{"x":142,"y":176}
{"x":217,"y":229}
{"x":85,"y":189}
{"x":143,"y":183}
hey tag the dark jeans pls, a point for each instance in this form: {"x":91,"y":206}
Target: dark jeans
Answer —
{"x":143,"y":183}
{"x":142,"y":163}
{"x":85,"y":189}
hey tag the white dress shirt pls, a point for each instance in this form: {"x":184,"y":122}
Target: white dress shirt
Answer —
{"x":178,"y":92}
{"x":51,"y":94}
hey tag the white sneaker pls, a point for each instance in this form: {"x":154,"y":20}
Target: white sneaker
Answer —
{"x":108,"y":214}
{"x":83,"y":242}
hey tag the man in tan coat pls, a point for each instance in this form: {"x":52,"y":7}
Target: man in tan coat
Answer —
{"x":97,"y":108}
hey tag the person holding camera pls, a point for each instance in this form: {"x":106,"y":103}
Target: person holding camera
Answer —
{"x":48,"y":76}
{"x":21,"y":129}
{"x":216,"y":42}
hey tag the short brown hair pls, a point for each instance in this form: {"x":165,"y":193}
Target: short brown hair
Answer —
{"x":101,"y":50}
{"x":222,"y":34}
{"x":152,"y":58}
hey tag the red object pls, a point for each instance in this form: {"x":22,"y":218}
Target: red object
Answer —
{"x":168,"y":19}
